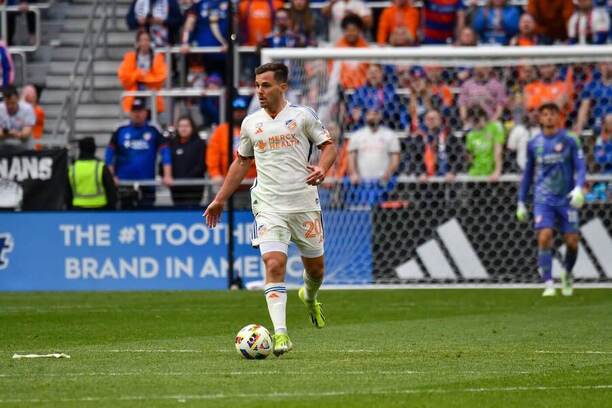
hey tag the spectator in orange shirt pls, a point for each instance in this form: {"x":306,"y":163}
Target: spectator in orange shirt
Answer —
{"x":352,"y":74}
{"x":142,"y":69}
{"x":217,"y":161}
{"x":400,"y":15}
{"x":549,"y":87}
{"x":527,"y":32}
{"x":551,"y":17}
{"x":30,"y":95}
{"x":257,"y":19}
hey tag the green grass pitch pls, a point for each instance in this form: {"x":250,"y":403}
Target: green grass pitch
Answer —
{"x":382,"y":348}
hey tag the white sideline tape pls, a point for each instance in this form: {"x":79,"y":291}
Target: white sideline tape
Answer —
{"x":572,"y":352}
{"x":51,"y":355}
{"x":276,"y":395}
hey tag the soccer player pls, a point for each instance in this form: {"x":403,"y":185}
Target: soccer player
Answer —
{"x":556,"y":160}
{"x":284,"y":197}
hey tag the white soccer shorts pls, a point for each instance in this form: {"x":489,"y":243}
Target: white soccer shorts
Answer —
{"x":274,"y":231}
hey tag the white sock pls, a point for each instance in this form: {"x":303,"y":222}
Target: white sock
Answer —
{"x":276,"y":297}
{"x":311,"y":285}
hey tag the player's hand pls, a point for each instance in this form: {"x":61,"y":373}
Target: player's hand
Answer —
{"x":316,"y":175}
{"x":354,"y":179}
{"x":167,"y":181}
{"x":521,"y":212}
{"x":576,"y":197}
{"x":184,"y":48}
{"x":213,"y":213}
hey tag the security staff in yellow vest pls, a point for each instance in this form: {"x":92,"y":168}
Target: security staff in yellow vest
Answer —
{"x":91,"y":183}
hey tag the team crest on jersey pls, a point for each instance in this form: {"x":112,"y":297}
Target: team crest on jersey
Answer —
{"x":538,"y":218}
{"x":6,"y":246}
{"x":258,"y":128}
{"x":291,"y":124}
{"x":147,"y":136}
{"x":558,"y":147}
{"x":261,"y":145}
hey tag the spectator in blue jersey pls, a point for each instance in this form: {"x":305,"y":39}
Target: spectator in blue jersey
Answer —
{"x":603,"y":147}
{"x":556,"y":161}
{"x":376,"y":92}
{"x":6,"y":64}
{"x":282,"y":36}
{"x":496,"y":23}
{"x":442,"y":20}
{"x":433,"y":150}
{"x":131,"y":155}
{"x":161,"y":18}
{"x":206,"y":25}
{"x":595,"y":100}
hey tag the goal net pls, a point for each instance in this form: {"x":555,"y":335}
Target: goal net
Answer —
{"x":459,"y":120}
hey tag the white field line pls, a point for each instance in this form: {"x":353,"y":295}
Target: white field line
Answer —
{"x":339,"y":351}
{"x":293,"y":395}
{"x":257,"y":372}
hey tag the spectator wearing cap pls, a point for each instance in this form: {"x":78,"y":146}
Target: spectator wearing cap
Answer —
{"x":337,"y":10}
{"x":90,"y":183}
{"x":188,"y":154}
{"x":161,"y":18}
{"x":374,"y":156}
{"x":376,"y":92}
{"x":527,"y":35}
{"x":352,"y":74}
{"x":496,"y":23}
{"x":588,"y":24}
{"x":442,"y":20}
{"x":217,"y":157}
{"x":433,"y":150}
{"x":131,"y":155}
{"x":551,"y":17}
{"x":17,"y":120}
{"x":142,"y":70}
{"x":485,"y":90}
{"x":400,"y":15}
{"x":30,"y":95}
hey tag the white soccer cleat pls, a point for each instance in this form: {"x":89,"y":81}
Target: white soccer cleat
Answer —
{"x":566,"y":284}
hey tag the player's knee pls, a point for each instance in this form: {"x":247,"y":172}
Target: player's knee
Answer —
{"x":275,"y":268}
{"x":571,"y":242}
{"x":545,"y":238}
{"x":315,"y":267}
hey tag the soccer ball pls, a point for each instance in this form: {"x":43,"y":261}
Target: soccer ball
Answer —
{"x":254,"y":342}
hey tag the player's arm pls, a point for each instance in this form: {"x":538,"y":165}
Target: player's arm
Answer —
{"x":328,"y":156}
{"x":521,"y":211}
{"x":237,"y":171}
{"x":576,"y":196}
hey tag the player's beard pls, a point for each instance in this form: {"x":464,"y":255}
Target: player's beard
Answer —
{"x":373,"y":124}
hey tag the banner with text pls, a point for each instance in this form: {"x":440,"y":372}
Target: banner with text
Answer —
{"x":150,"y":251}
{"x":33,"y":180}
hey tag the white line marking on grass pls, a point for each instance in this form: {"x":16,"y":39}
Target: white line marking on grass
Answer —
{"x":277,"y":395}
{"x":573,"y":352}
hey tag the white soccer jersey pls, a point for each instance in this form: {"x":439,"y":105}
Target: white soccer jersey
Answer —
{"x":282,"y":148}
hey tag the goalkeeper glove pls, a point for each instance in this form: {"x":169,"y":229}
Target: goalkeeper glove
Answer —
{"x":521,"y":212}
{"x":576,"y":197}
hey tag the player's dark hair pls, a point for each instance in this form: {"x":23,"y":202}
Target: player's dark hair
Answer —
{"x":352,"y":19}
{"x":551,"y":106}
{"x":281,"y":72}
{"x":9,"y":91}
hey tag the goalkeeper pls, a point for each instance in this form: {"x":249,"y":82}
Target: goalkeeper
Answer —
{"x":556,"y":160}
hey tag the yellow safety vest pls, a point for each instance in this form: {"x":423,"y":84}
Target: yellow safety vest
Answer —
{"x":86,"y":183}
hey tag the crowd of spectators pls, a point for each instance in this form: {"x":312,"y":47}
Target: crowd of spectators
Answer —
{"x":422,"y":120}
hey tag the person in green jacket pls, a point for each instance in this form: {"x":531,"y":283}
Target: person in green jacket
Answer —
{"x":484,"y":143}
{"x":91,"y":185}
